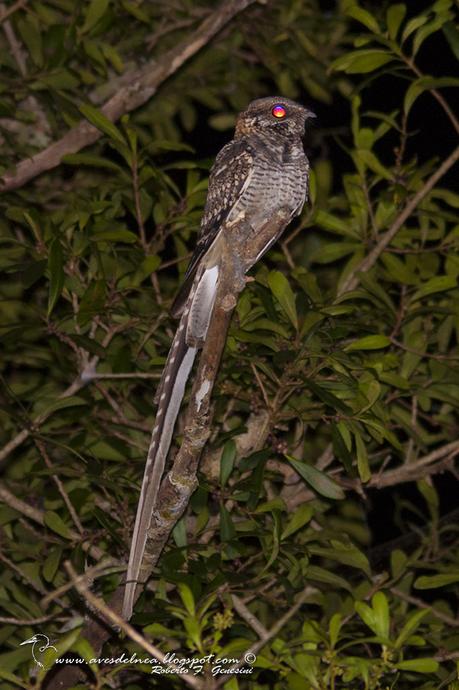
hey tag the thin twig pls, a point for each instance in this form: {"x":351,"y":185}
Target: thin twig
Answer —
{"x":39,"y":517}
{"x":255,"y":648}
{"x":11,"y":10}
{"x":413,"y":351}
{"x":249,"y":617}
{"x":138,"y":209}
{"x":30,"y":621}
{"x":128,"y":375}
{"x":60,"y":487}
{"x":100,"y":570}
{"x":436,"y":94}
{"x":352,"y":279}
{"x":420,"y":604}
{"x":261,"y":386}
{"x":95,"y":603}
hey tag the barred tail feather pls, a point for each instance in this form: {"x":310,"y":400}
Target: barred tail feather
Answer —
{"x":173,"y":381}
{"x":189,"y":337}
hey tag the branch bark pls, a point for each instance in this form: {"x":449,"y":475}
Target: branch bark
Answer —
{"x":143,"y":84}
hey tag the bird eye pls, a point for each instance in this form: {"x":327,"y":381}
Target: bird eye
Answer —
{"x":279,"y":111}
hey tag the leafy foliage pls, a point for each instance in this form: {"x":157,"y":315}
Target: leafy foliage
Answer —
{"x":327,"y":394}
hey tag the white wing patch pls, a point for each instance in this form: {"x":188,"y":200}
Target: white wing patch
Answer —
{"x":202,"y":305}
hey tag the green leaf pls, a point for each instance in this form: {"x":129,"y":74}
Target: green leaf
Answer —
{"x":314,"y":572}
{"x":50,"y":655}
{"x":227,"y":530}
{"x":426,"y":31}
{"x":51,"y":563}
{"x":334,"y":628}
{"x":340,"y":434}
{"x":422,"y":84}
{"x":227,"y":461}
{"x":395,"y":16}
{"x":29,"y":29}
{"x":179,"y":534}
{"x":452,"y":36}
{"x":92,"y":302}
{"x":369,"y":342}
{"x":86,"y":651}
{"x":418,"y":665}
{"x":412,"y":25}
{"x":56,"y":274}
{"x":398,"y":562}
{"x":343,"y":553}
{"x":410,"y":626}
{"x":276,"y":504}
{"x":98,"y":119}
{"x":113,"y":56}
{"x":94,"y":13}
{"x":55,"y":522}
{"x":334,"y":223}
{"x":280,"y":287}
{"x":46,"y":405}
{"x":364,"y":18}
{"x":186,"y":595}
{"x":375,"y":617}
{"x":59,"y":80}
{"x":300,"y":517}
{"x":381,"y":609}
{"x":327,"y":397}
{"x":114,"y":236}
{"x":318,"y":480}
{"x":91,"y":160}
{"x":333,"y":251}
{"x":11,"y":678}
{"x":436,"y":284}
{"x":435,"y":581}
{"x":370,"y":160}
{"x":362,"y":61}
{"x":362,"y":459}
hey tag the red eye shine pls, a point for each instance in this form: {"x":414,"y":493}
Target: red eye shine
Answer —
{"x":279,"y":111}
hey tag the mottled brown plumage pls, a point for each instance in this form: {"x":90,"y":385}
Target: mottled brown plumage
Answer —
{"x":262,"y":170}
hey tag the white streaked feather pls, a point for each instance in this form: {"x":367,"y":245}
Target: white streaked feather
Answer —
{"x":152,"y":478}
{"x":202,"y":305}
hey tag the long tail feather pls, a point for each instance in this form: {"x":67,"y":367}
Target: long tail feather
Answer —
{"x":190,"y":334}
{"x":173,"y":381}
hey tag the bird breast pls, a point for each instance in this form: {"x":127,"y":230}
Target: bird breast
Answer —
{"x":279,"y":180}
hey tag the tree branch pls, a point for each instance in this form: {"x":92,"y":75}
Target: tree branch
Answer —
{"x":11,"y":10}
{"x":80,"y":584}
{"x":352,"y":279}
{"x":143,"y":84}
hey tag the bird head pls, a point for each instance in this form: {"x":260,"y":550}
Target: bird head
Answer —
{"x":275,"y":114}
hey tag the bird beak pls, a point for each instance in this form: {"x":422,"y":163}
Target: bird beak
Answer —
{"x":29,"y":641}
{"x":310,"y":114}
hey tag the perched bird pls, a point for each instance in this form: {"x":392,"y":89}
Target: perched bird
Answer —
{"x":261,"y":170}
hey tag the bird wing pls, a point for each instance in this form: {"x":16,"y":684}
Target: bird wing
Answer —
{"x":229,"y":177}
